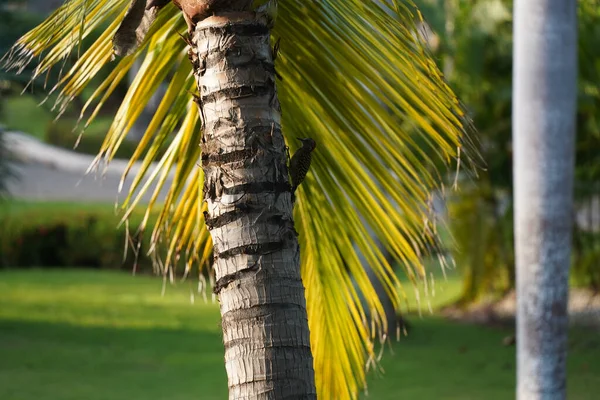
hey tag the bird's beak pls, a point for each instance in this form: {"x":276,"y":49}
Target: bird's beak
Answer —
{"x":300,"y":139}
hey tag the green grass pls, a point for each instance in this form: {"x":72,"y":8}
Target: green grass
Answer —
{"x":451,"y":361}
{"x":15,"y":207}
{"x":90,"y":335}
{"x":44,"y":211}
{"x":100,"y":335}
{"x":22,"y":113}
{"x":443,"y":287}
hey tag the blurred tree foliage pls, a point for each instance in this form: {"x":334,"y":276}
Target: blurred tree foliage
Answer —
{"x":14,"y":24}
{"x":16,"y":21}
{"x":474,"y":44}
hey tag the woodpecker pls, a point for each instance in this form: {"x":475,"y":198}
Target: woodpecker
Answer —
{"x":300,"y":162}
{"x":269,"y":9}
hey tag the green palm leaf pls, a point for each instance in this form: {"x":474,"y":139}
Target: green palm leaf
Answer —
{"x":357,"y":79}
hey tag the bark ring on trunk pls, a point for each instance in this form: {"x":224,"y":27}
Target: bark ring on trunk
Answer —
{"x":250,"y":210}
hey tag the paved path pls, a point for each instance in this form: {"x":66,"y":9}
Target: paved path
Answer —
{"x":46,"y":172}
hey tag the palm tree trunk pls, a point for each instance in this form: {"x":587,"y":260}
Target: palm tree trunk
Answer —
{"x":545,"y":88}
{"x":256,"y":252}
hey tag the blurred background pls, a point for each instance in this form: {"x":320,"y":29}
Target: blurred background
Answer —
{"x":71,"y":311}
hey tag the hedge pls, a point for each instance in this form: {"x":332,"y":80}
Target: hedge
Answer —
{"x":47,"y":235}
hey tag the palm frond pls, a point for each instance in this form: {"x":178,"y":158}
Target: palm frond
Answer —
{"x":358,"y":80}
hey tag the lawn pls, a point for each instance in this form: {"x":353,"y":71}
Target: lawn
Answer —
{"x":23,"y":113}
{"x":98,"y":335}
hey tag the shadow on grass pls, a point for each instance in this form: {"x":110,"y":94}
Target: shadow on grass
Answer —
{"x":440,"y":359}
{"x":94,"y":335}
{"x":61,"y":361}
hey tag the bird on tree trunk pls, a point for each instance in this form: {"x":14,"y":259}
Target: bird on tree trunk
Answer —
{"x":300,"y":162}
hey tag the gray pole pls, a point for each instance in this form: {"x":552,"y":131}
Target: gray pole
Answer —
{"x":544,"y":106}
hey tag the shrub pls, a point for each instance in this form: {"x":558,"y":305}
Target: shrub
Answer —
{"x":42,"y":235}
{"x":586,"y":259}
{"x":482,"y":226}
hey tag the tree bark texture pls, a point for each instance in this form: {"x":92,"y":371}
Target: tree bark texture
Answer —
{"x":544,"y":106}
{"x":246,"y":186}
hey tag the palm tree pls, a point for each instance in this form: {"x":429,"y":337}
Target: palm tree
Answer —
{"x":355,"y":77}
{"x":545,"y":100}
